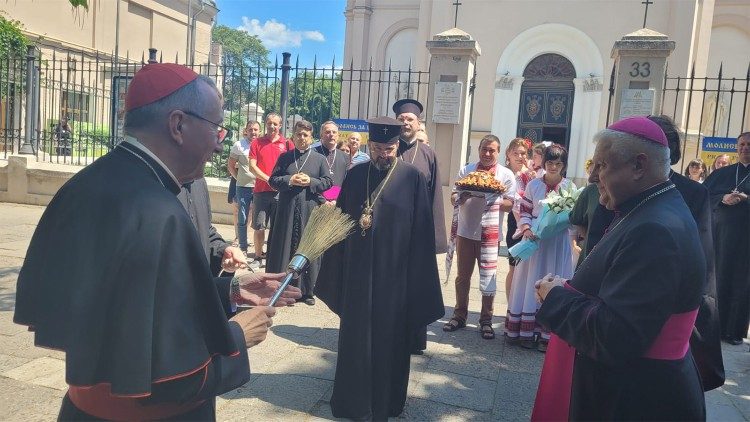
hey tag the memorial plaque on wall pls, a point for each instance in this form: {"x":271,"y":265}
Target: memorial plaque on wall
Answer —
{"x":636,"y":102}
{"x":446,"y":107}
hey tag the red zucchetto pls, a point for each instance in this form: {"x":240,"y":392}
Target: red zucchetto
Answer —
{"x":156,"y":81}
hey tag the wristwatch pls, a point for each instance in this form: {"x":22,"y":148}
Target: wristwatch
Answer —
{"x":234,"y":290}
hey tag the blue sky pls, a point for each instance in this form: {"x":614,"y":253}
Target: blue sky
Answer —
{"x":302,"y":27}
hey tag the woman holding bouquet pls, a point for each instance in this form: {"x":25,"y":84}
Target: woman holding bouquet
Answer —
{"x":553,"y":256}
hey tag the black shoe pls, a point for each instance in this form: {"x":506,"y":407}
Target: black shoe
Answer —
{"x":417,"y":352}
{"x":734,"y":341}
{"x":310,"y":301}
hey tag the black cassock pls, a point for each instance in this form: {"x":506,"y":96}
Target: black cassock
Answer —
{"x":424,"y":159}
{"x":623,"y":323}
{"x":732,"y":246}
{"x":384,"y":286}
{"x":293,"y":210}
{"x":118,"y":279}
{"x":337,"y":163}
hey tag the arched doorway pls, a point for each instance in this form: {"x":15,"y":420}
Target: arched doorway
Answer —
{"x":547,"y":99}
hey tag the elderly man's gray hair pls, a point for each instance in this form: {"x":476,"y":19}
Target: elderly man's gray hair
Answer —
{"x":186,"y":98}
{"x":626,"y":146}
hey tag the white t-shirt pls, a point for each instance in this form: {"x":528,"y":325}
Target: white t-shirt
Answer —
{"x":470,"y":212}
{"x":241,"y":152}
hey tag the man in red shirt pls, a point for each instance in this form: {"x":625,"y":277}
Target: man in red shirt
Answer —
{"x":263,"y":155}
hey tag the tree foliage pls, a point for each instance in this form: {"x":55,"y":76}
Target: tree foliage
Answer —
{"x":83,"y":3}
{"x":316,"y":96}
{"x":243,"y":56}
{"x":13,"y":42}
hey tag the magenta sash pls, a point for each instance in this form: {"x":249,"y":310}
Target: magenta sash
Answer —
{"x":332,"y":193}
{"x":552,"y":401}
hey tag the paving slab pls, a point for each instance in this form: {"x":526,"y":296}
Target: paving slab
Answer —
{"x":459,"y":378}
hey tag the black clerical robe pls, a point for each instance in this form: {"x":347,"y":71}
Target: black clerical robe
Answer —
{"x":118,"y":280}
{"x":195,"y":198}
{"x":732,"y":246}
{"x":293,"y":210}
{"x":623,"y":322}
{"x":424,"y":159}
{"x":384,"y":286}
{"x":337,"y":163}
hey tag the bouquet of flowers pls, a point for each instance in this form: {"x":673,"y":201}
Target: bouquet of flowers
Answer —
{"x":553,"y":219}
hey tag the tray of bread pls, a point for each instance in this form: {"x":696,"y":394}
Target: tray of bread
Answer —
{"x":480,"y":181}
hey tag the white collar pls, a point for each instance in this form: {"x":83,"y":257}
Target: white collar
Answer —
{"x":134,"y":142}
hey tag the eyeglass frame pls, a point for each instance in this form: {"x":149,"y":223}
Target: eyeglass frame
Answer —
{"x":218,"y":126}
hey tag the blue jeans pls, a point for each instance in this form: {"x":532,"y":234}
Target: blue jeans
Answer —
{"x":244,"y":199}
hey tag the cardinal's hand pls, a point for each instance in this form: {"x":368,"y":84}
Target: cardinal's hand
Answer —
{"x":256,"y":289}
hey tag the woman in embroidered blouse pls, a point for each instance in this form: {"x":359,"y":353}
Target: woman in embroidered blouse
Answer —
{"x":553,"y":256}
{"x":515,"y":159}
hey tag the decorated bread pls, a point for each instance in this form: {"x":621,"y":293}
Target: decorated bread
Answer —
{"x":480,"y":181}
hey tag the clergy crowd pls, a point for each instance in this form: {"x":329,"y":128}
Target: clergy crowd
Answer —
{"x":628,"y":300}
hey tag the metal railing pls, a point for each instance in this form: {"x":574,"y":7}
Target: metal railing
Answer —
{"x":702,"y":106}
{"x":38,"y":92}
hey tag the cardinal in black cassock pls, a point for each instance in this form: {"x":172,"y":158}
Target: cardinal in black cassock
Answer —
{"x":296,"y":202}
{"x":732,"y":242}
{"x":118,"y":279}
{"x":622,"y":324}
{"x":382,"y":281}
{"x":423,"y":157}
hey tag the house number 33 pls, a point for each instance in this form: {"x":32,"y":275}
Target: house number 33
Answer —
{"x":640,"y":69}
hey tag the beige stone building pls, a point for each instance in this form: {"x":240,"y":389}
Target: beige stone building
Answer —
{"x":561,"y":50}
{"x":177,"y":28}
{"x":85,"y":59}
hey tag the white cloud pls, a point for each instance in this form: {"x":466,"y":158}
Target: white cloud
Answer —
{"x":274,"y":34}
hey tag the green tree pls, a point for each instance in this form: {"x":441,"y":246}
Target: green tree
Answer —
{"x":243,"y":56}
{"x":316,"y":96}
{"x":12,"y":41}
{"x":76,"y":3}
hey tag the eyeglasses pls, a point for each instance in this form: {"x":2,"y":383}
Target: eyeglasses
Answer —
{"x":221,"y":131}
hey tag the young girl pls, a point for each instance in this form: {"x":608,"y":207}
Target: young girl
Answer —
{"x":553,"y":256}
{"x":300,"y":177}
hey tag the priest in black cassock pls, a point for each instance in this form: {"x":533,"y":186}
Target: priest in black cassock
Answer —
{"x":705,"y":343}
{"x":622,"y":324}
{"x":382,"y":281}
{"x":118,"y":279}
{"x":729,"y":188}
{"x":337,"y":163}
{"x":423,"y":157}
{"x":300,"y":176}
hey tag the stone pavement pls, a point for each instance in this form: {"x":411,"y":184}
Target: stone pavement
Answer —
{"x":460,"y":377}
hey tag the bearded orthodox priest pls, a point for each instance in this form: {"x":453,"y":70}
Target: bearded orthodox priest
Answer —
{"x":382,"y":281}
{"x":423,"y":158}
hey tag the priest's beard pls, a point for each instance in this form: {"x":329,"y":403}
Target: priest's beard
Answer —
{"x":383,"y":163}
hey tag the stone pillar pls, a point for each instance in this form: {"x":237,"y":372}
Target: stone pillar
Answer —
{"x":640,"y":63}
{"x":356,"y":55}
{"x":453,"y":59}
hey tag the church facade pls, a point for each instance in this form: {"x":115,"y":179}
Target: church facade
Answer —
{"x":544,"y":71}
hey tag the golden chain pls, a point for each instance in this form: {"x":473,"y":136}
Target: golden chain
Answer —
{"x":369,"y":205}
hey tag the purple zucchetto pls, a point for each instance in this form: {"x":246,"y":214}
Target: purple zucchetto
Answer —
{"x":642,"y":127}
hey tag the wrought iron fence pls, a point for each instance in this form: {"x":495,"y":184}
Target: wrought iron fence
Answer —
{"x":707,"y":106}
{"x":67,"y":106}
